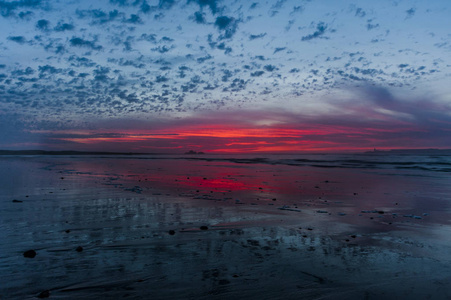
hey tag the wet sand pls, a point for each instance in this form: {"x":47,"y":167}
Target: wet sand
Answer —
{"x":212,"y":229}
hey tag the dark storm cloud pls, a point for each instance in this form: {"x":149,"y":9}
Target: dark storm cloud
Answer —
{"x":320,"y":30}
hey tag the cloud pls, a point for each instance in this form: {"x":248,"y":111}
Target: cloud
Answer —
{"x":17,"y":39}
{"x":199,"y":17}
{"x":79,"y":42}
{"x":257,"y":73}
{"x":371,"y":26}
{"x":410,"y":12}
{"x":64,"y":27}
{"x":257,"y":36}
{"x":227,"y":25}
{"x":279,"y":49}
{"x":320,"y":30}
{"x":99,"y":16}
{"x":212,"y":4}
{"x":270,"y":68}
{"x":359,"y":12}
{"x":7,"y":8}
{"x":26,"y":15}
{"x":43,"y":25}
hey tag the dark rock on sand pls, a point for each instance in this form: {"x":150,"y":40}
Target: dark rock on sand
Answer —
{"x":29,"y":254}
{"x":171,"y":232}
{"x":44,"y":294}
{"x":203,"y":228}
{"x":79,"y":249}
{"x":17,"y":201}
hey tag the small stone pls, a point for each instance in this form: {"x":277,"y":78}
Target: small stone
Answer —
{"x":67,"y":230}
{"x":17,"y":201}
{"x":79,"y":249}
{"x":44,"y":294}
{"x":171,"y":232}
{"x":203,"y":228}
{"x":29,"y":254}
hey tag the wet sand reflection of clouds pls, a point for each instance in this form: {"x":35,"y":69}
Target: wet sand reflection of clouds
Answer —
{"x":201,"y":228}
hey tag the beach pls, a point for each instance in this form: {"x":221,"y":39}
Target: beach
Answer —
{"x":224,"y":227}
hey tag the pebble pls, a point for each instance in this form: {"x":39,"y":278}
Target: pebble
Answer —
{"x":79,"y":249}
{"x":29,"y":254}
{"x":44,"y":294}
{"x":203,"y":228}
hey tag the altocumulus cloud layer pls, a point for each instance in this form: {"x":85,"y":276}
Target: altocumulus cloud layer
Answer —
{"x":81,"y":65}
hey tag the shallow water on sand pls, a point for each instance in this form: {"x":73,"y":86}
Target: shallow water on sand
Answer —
{"x":274,"y":229}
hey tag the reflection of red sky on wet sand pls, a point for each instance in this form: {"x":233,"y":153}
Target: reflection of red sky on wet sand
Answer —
{"x":310,"y":189}
{"x":224,"y":179}
{"x":180,"y":174}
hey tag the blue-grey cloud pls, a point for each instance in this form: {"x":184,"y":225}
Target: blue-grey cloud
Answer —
{"x":79,"y":42}
{"x":320,"y":30}
{"x":410,"y":12}
{"x":256,"y":36}
{"x":43,"y":25}
{"x":7,"y":8}
{"x":17,"y":39}
{"x":63,"y":27}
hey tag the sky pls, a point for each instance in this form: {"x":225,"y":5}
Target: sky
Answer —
{"x":278,"y":76}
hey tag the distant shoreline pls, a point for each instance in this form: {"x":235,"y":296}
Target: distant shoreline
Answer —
{"x":69,"y":152}
{"x":429,"y":151}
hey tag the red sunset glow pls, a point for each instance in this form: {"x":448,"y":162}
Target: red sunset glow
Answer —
{"x":227,"y":138}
